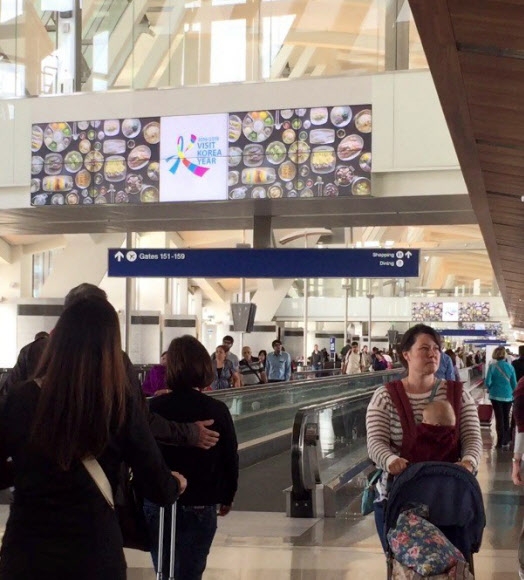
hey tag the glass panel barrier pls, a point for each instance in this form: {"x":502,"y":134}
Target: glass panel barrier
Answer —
{"x":262,"y":411}
{"x":174,"y":43}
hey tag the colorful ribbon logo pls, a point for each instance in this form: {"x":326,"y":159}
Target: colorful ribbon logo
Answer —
{"x":197,"y":170}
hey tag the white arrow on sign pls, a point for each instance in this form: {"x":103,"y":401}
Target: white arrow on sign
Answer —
{"x":119,"y":256}
{"x":408,"y":254}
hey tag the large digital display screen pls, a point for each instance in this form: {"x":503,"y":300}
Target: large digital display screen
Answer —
{"x":285,"y":153}
{"x":450,"y":311}
{"x":193,"y":151}
{"x":317,"y":152}
{"x":86,"y":162}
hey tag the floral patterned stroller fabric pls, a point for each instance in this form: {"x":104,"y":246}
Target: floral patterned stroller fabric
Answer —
{"x":456,"y":509}
{"x":458,"y":572}
{"x":421,"y":546}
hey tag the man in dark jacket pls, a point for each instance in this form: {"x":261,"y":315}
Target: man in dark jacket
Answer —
{"x":192,"y":434}
{"x":518,"y":364}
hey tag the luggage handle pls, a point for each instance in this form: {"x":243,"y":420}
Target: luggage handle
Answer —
{"x":160,"y":574}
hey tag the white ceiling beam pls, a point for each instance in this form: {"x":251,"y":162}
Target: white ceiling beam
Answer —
{"x":53,"y":243}
{"x":282,"y":59}
{"x":176,"y":240}
{"x":6,"y":252}
{"x":211,"y":289}
{"x":300,"y":68}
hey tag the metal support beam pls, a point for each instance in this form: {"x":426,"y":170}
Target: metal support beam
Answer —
{"x":261,"y":232}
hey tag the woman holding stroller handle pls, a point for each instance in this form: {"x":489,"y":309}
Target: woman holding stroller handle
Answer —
{"x":391,"y":435}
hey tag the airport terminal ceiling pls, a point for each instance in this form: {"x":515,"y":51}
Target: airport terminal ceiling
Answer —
{"x":340,"y":212}
{"x":156,"y":43}
{"x":454,"y":260}
{"x":474,"y":50}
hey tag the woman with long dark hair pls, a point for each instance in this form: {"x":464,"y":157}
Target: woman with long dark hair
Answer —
{"x":79,"y":407}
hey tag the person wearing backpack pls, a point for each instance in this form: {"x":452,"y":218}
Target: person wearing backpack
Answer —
{"x":501,"y":382}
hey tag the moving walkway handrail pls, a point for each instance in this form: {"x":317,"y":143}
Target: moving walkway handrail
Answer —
{"x":305,"y":467}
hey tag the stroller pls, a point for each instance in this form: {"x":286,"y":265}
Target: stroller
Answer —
{"x":453,"y":497}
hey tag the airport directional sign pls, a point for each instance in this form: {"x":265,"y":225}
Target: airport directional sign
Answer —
{"x":263,"y":263}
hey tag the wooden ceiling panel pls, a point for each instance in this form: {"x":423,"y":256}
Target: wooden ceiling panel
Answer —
{"x":496,"y":124}
{"x":497,"y":159}
{"x":491,"y":23}
{"x":475,"y":50}
{"x":503,"y":183}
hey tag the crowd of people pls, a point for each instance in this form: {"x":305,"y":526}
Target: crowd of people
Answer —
{"x":229,"y":371}
{"x":72,"y":412}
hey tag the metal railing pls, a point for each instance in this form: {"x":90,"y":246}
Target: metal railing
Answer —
{"x":329,"y":445}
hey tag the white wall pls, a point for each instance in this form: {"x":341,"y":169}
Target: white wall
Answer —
{"x":384,"y":309}
{"x":8,"y":346}
{"x":83,"y":259}
{"x":409,"y":130}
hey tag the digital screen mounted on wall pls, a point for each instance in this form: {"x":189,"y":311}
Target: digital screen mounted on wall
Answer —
{"x":317,"y":152}
{"x":193,"y":153}
{"x":95,"y":162}
{"x":450,"y":311}
{"x":285,"y":153}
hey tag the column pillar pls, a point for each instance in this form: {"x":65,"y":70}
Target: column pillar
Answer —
{"x":262,"y":233}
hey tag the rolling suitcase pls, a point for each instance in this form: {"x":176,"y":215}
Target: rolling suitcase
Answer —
{"x":160,"y":572}
{"x":485,"y":411}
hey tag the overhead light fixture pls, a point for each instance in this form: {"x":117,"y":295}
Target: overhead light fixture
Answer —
{"x":389,"y":243}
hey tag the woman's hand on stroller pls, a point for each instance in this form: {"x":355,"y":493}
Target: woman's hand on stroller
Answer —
{"x":398,"y":466}
{"x":466,"y":464}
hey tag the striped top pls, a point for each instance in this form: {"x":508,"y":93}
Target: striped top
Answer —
{"x":384,"y":430}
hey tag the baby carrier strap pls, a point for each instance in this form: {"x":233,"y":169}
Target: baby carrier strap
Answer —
{"x":454,"y":396}
{"x":401,"y":403}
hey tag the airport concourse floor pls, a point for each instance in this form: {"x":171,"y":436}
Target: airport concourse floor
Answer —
{"x":260,"y":545}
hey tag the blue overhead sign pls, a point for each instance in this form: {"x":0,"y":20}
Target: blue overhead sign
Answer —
{"x":464,"y":332}
{"x":267,"y":263}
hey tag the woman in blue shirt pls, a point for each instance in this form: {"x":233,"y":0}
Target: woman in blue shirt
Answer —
{"x":501,"y":382}
{"x":225,"y":374}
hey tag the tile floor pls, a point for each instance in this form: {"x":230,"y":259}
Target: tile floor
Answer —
{"x":261,"y":545}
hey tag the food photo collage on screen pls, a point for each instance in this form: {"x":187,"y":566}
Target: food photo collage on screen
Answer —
{"x":285,"y":153}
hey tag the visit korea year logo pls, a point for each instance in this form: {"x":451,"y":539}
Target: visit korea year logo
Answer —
{"x":193,"y":157}
{"x":195,"y":168}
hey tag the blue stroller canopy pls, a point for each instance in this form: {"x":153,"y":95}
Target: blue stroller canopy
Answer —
{"x":454,"y":499}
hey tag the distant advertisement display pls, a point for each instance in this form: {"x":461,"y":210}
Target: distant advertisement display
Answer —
{"x":450,"y":311}
{"x":426,"y":311}
{"x":284,"y":153}
{"x":474,"y":311}
{"x":95,"y":162}
{"x":317,"y":152}
{"x":193,"y":153}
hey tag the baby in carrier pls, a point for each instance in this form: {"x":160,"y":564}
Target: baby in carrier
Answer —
{"x":420,"y":549}
{"x":436,"y":438}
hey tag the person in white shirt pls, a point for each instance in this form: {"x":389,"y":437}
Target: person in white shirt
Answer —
{"x":352,"y":362}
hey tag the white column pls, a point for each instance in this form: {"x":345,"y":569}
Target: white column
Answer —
{"x":370,"y":319}
{"x":182,"y":296}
